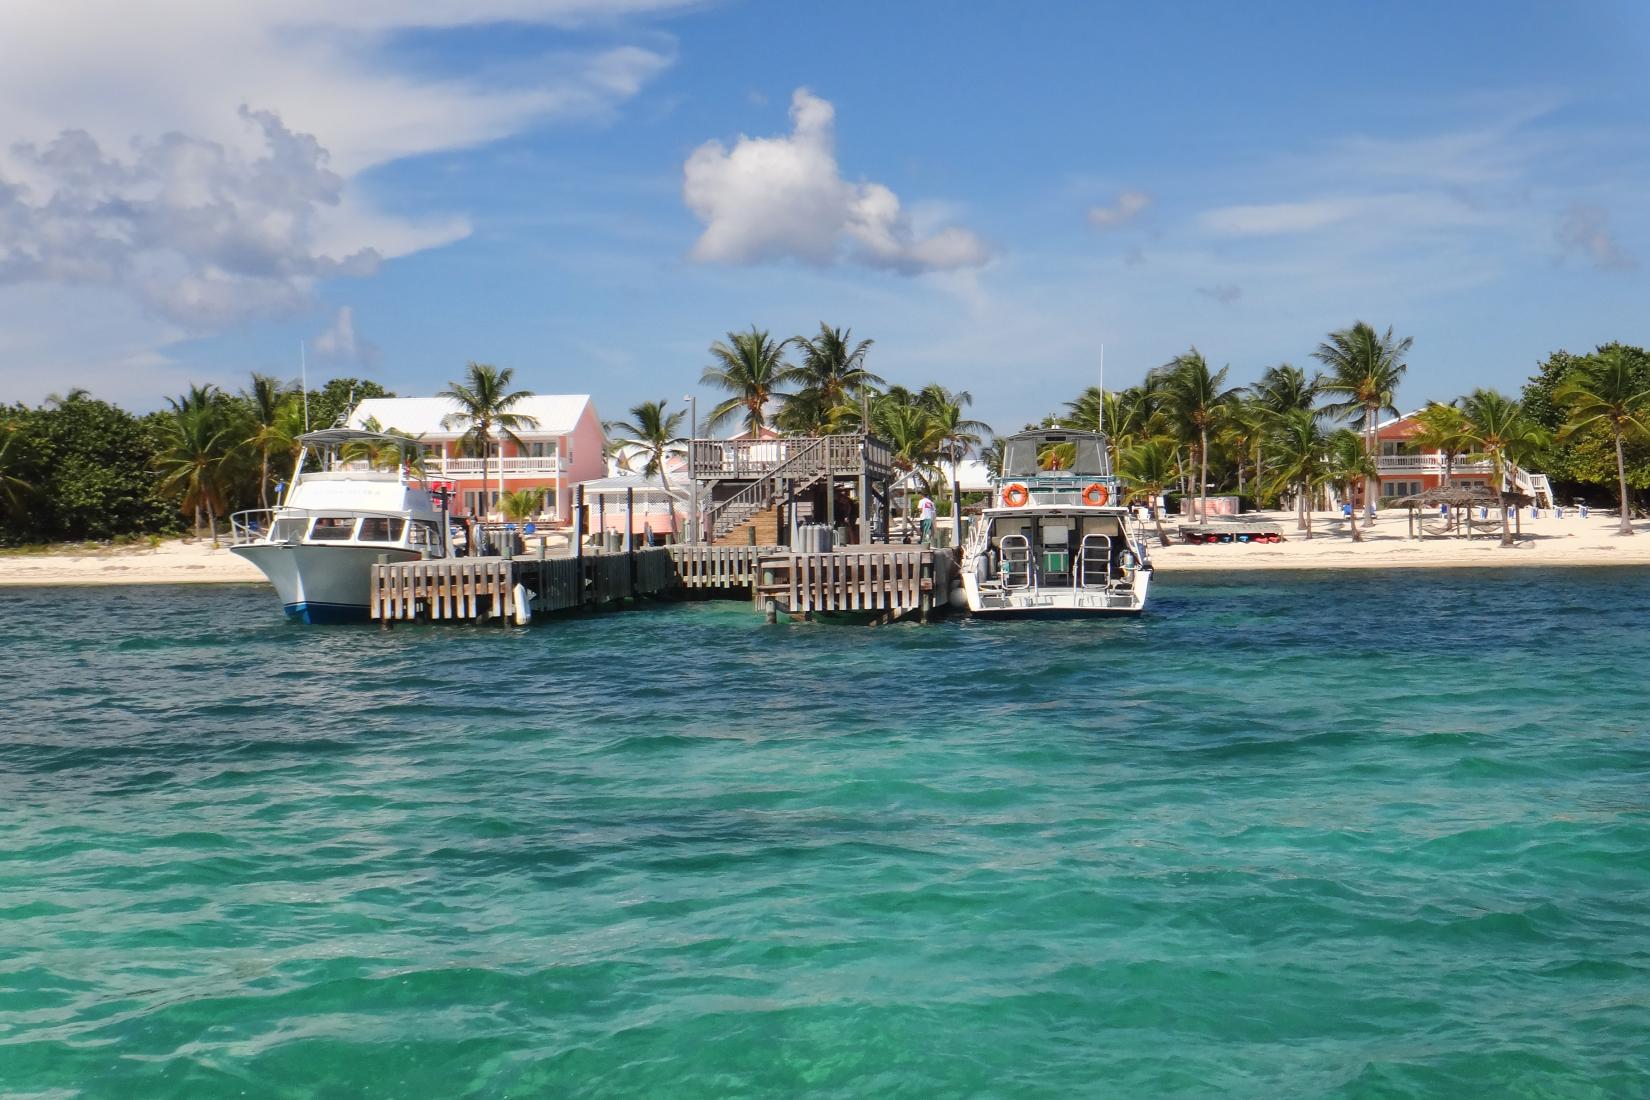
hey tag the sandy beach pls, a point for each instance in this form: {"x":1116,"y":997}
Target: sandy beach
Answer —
{"x":1549,"y":541}
{"x":175,"y":561}
{"x":1571,"y":541}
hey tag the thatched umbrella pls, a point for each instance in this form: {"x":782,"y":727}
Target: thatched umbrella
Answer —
{"x":1462,"y":499}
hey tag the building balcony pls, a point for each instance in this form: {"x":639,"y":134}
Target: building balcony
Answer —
{"x":524,"y":466}
{"x":1427,"y":464}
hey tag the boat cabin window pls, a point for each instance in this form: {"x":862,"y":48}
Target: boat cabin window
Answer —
{"x":285,"y":530}
{"x":425,"y":534}
{"x":332,"y":528}
{"x":381,"y":529}
{"x":1080,"y":455}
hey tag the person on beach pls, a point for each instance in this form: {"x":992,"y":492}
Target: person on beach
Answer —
{"x":926,"y":512}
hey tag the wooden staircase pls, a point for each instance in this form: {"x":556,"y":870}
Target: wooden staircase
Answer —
{"x":764,"y":524}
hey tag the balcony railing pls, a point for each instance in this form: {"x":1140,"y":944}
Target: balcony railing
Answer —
{"x":746,"y":459}
{"x":1427,"y":464}
{"x":513,"y":467}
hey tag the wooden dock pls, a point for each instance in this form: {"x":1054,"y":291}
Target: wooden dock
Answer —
{"x":880,"y":583}
{"x":876,"y":583}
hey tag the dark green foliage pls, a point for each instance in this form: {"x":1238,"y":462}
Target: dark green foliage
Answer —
{"x":333,"y":400}
{"x":87,"y":467}
{"x":1587,"y":458}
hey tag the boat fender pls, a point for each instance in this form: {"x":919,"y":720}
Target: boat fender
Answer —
{"x":1096,"y":495}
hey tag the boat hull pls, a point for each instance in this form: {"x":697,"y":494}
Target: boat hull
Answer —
{"x":1057,"y":603}
{"x":321,"y":584}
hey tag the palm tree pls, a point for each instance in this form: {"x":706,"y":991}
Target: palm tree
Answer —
{"x":1148,"y":469}
{"x":833,"y":378}
{"x":1365,"y":368}
{"x":1498,"y":427}
{"x":269,"y":428}
{"x":1349,"y":461}
{"x":1605,"y":392}
{"x":656,"y":434}
{"x":1194,"y":398}
{"x":1284,"y":388}
{"x":1299,"y":449}
{"x":197,"y":448}
{"x":15,"y":488}
{"x":484,"y":402}
{"x":522,"y":504}
{"x":751,"y":367}
{"x":1443,"y":428}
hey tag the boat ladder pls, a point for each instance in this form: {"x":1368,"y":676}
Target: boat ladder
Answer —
{"x":1016,"y":562}
{"x":1094,"y":562}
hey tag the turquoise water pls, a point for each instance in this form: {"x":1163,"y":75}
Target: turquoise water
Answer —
{"x":1352,"y":836}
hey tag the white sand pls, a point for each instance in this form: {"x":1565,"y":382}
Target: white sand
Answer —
{"x":178,"y":561}
{"x":1571,"y":541}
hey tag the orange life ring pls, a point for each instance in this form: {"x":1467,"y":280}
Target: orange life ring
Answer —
{"x":1096,"y":495}
{"x":1016,"y":496}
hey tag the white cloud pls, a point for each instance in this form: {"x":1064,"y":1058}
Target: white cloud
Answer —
{"x":1585,"y":232}
{"x":340,"y":341}
{"x":1311,"y":215}
{"x":133,"y":170}
{"x":1128,"y":206}
{"x":199,"y":234}
{"x":784,"y":197}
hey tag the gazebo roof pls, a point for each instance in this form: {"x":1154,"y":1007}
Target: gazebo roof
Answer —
{"x":1458,"y":496}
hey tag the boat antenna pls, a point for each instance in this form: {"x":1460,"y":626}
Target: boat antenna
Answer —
{"x":1102,"y":415}
{"x":303,"y":381}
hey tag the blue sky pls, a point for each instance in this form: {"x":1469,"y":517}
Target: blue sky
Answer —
{"x":592,"y":192}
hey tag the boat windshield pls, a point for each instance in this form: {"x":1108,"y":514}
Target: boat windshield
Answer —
{"x":1082,"y":455}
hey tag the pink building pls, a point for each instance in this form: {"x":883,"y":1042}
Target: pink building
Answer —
{"x":564,"y":446}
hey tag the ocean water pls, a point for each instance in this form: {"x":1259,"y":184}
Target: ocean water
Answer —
{"x":1284,"y":836}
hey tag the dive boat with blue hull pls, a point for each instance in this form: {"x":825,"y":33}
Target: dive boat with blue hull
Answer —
{"x":1055,"y":540}
{"x":335,"y":522}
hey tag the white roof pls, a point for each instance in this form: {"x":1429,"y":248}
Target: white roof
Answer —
{"x":557,"y":414}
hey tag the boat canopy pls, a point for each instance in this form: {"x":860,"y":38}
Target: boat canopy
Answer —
{"x":1056,"y":452}
{"x":337,"y":437}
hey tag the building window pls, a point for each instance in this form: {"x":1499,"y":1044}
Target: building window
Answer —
{"x":1400,"y":488}
{"x":477,"y":502}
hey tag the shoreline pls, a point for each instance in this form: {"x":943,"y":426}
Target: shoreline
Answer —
{"x":1572,"y":542}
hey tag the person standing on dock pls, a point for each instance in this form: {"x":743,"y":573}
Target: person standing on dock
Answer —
{"x":925,"y":512}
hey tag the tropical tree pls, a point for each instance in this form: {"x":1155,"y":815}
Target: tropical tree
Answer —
{"x":1349,"y":462}
{"x":1364,"y":368}
{"x":751,"y":367}
{"x":15,"y":486}
{"x":270,"y":428}
{"x":832,"y":379}
{"x":1443,"y":428}
{"x":381,"y":454}
{"x":1605,"y":392}
{"x":1194,"y":398}
{"x":522,"y":504}
{"x":1148,"y":469}
{"x":1499,"y":428}
{"x":199,"y":444}
{"x":1285,"y":388}
{"x":1299,"y":460}
{"x":485,"y":403}
{"x":652,"y":431}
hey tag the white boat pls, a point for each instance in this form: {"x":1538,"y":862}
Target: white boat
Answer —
{"x":1055,"y":540}
{"x":334,"y":522}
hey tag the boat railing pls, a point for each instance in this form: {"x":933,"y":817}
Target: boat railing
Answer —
{"x":252,"y":525}
{"x":260,"y":525}
{"x":1062,"y":491}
